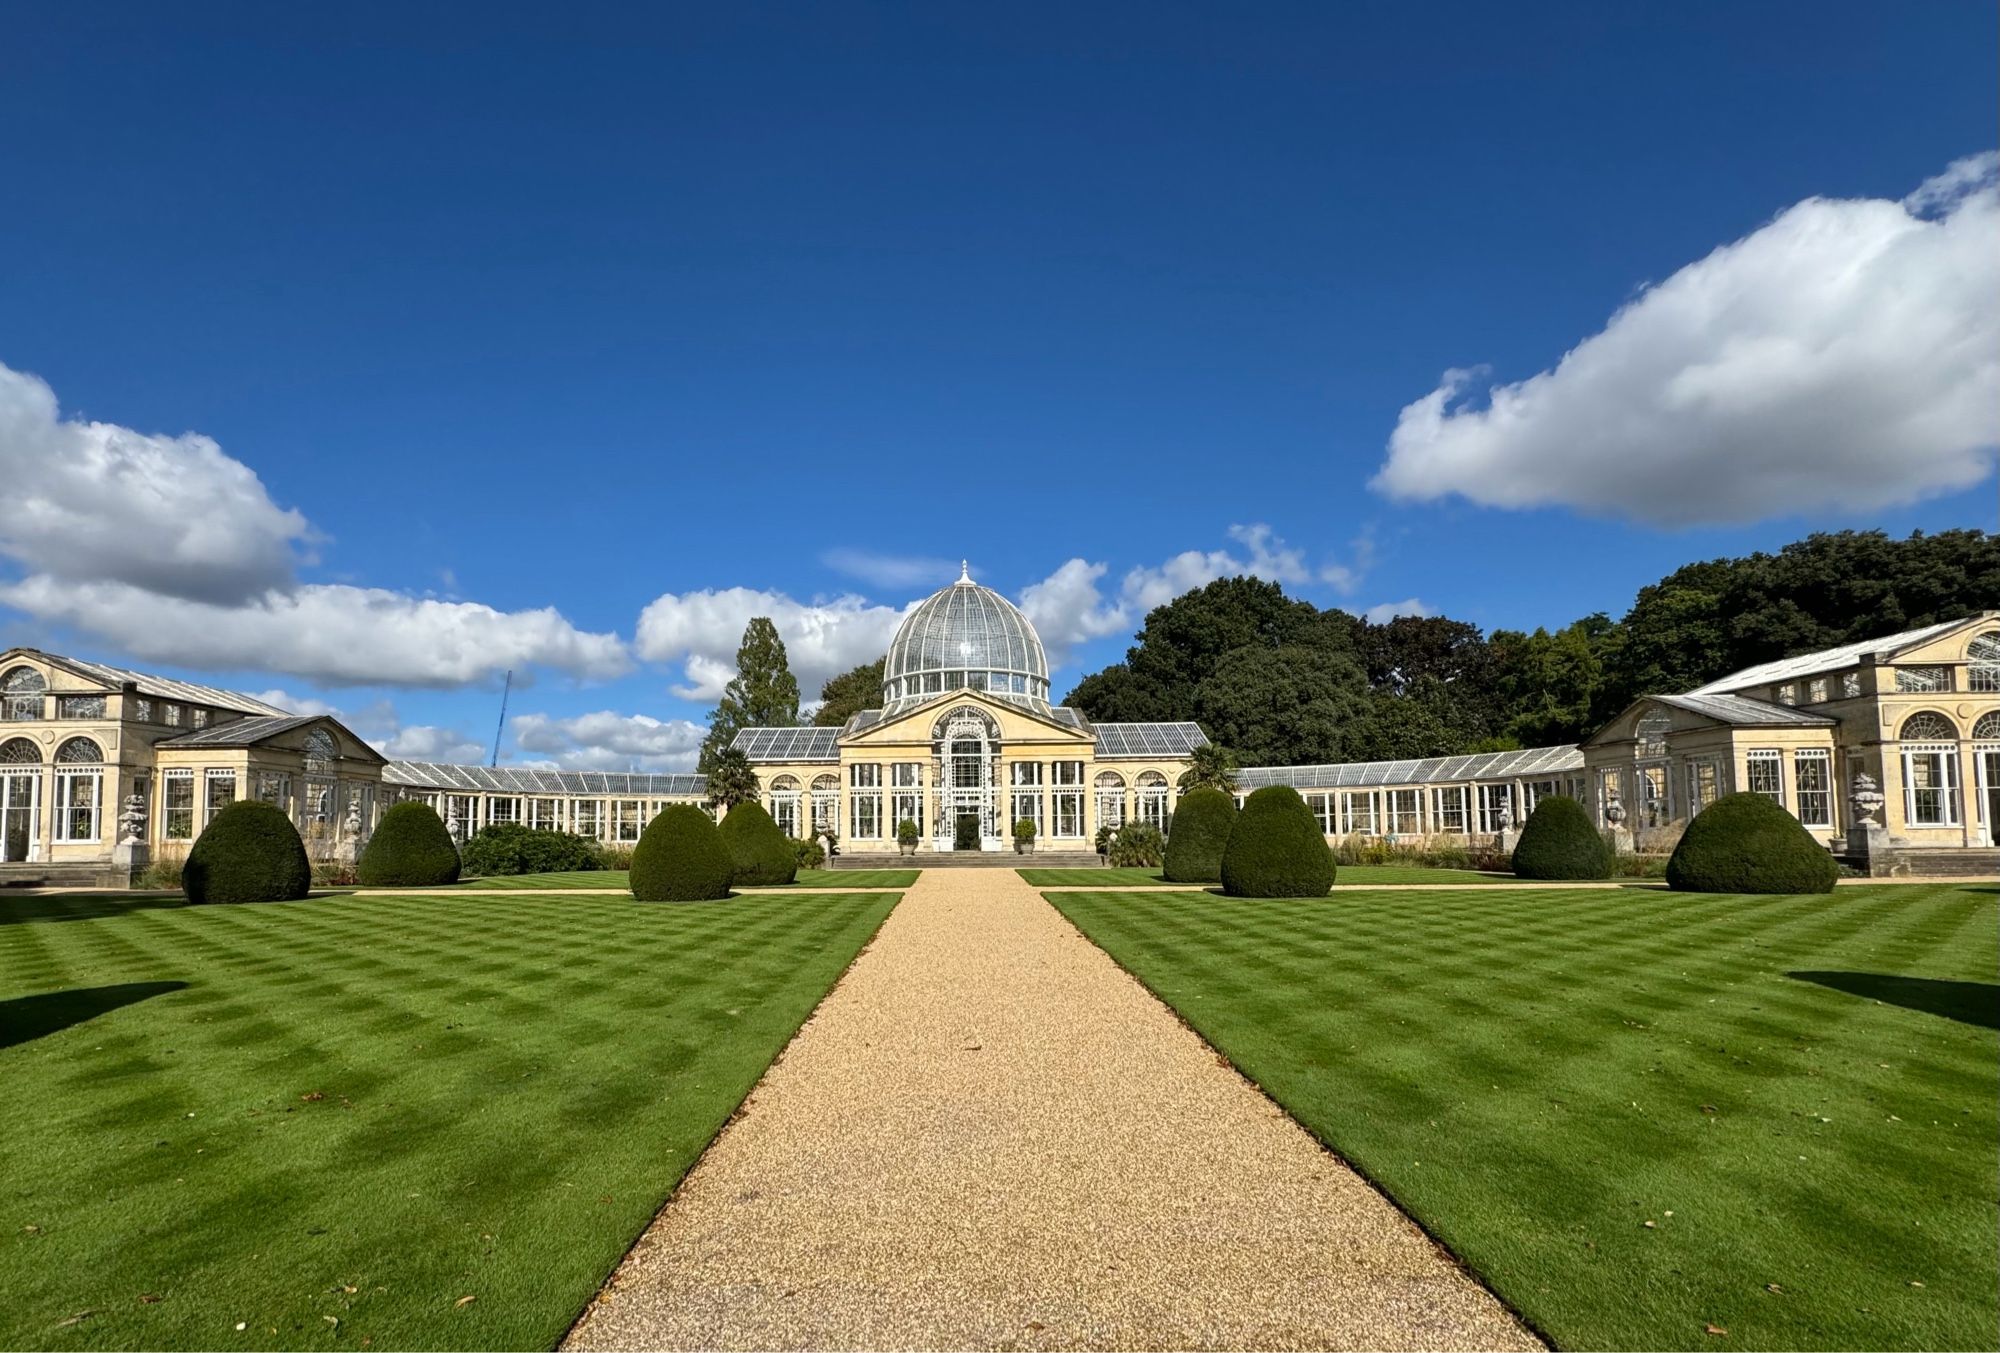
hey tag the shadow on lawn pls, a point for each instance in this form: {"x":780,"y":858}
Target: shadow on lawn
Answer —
{"x":1967,"y":1002}
{"x":26,"y":1018}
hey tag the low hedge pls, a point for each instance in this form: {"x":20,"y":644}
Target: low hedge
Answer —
{"x":759,"y":851}
{"x":249,"y":852}
{"x":1745,"y":843}
{"x":681,"y":858}
{"x":410,"y":849}
{"x":1202,"y":823}
{"x":1560,"y":842}
{"x":1276,"y":848}
{"x":510,"y":848}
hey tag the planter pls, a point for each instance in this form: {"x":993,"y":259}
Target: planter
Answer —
{"x":1024,"y":847}
{"x":908,"y":850}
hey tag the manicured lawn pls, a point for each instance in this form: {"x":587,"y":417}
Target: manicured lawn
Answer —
{"x":397,"y":1122}
{"x":617,"y":881}
{"x":1374,"y":875}
{"x":1636,"y":1114}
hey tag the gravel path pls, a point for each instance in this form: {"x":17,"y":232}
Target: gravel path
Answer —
{"x":989,"y":1136}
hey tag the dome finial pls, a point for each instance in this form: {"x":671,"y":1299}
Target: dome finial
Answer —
{"x":965,"y":570}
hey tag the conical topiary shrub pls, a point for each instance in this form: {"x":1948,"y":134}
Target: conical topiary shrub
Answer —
{"x":681,"y":858}
{"x":760,"y":852}
{"x":1202,"y":822}
{"x":411,"y":848}
{"x":249,"y":852}
{"x":1276,"y":849}
{"x":1745,"y":843}
{"x":1560,"y":842}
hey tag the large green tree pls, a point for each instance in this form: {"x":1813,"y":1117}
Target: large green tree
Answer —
{"x":1283,"y":706}
{"x":846,"y":695}
{"x":762,"y":694}
{"x":1548,"y":683}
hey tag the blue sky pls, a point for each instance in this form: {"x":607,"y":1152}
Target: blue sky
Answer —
{"x":510,"y":324}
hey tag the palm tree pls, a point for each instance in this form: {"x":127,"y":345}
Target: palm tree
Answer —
{"x":1210,"y":767}
{"x":731,"y":781}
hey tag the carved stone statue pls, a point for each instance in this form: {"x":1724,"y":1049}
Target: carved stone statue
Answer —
{"x":1614,"y":813}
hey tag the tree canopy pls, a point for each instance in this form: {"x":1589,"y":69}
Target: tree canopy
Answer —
{"x":846,"y":695}
{"x":1280,"y":682}
{"x":762,"y":694}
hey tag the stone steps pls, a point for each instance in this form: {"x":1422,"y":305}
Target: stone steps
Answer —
{"x":61,"y":875}
{"x":973,"y":859}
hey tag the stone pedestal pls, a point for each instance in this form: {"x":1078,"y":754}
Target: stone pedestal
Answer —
{"x":1868,"y":847}
{"x":1621,"y":841}
{"x":1505,"y":840}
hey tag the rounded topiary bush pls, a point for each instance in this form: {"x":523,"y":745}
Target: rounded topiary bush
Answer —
{"x":1202,"y":823}
{"x":1560,"y":842}
{"x":410,"y":849}
{"x":681,"y":858}
{"x":249,"y":852}
{"x":760,"y":852}
{"x":1745,"y":843}
{"x":1275,"y":848}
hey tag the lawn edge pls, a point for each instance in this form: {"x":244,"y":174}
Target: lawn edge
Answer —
{"x":735,"y":1113}
{"x":1375,"y":1185}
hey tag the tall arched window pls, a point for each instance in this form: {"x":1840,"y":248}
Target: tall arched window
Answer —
{"x":1930,"y":770}
{"x":1982,"y":671}
{"x":1988,"y":727}
{"x":784,"y":798}
{"x":79,"y":790}
{"x":1153,"y":799}
{"x":20,"y":788}
{"x":1110,"y":786}
{"x":21,"y":692}
{"x":826,"y":802}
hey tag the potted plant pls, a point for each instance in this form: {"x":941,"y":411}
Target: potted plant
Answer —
{"x":1103,"y":840}
{"x":906,"y":836}
{"x":1024,"y":836}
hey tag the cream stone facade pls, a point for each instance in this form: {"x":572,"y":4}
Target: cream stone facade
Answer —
{"x":1888,"y":751}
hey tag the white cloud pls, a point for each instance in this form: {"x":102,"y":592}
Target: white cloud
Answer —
{"x":171,"y":551}
{"x":606,"y":740}
{"x":95,"y":502}
{"x":1383,"y":613}
{"x":701,"y":631}
{"x":329,"y":633}
{"x":297,"y":704}
{"x":426,"y":742}
{"x":1069,"y":607}
{"x":894,"y":571}
{"x":1844,"y":356}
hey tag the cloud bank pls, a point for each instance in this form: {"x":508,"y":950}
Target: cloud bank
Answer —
{"x":1844,"y":356}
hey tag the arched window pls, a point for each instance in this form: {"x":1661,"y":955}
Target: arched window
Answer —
{"x":1983,"y":662}
{"x":1929,"y":726}
{"x":1153,"y":799}
{"x":321,"y":751}
{"x":825,"y":802}
{"x":1110,"y":787}
{"x":1931,"y":776}
{"x":20,"y":784}
{"x":1651,"y":733}
{"x":21,"y":691}
{"x":1986,"y":730}
{"x":19,"y":752}
{"x":784,"y":803}
{"x":79,"y":790}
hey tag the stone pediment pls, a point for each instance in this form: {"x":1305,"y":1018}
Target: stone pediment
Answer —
{"x":919,"y":725}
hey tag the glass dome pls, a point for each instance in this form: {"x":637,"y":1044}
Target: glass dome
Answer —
{"x":966,"y":637}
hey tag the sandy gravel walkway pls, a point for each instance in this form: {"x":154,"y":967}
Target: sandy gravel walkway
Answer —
{"x":991,"y":1137}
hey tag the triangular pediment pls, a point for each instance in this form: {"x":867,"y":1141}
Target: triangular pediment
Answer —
{"x":920,"y":723}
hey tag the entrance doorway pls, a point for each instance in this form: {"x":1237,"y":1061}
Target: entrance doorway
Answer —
{"x":1989,"y":793}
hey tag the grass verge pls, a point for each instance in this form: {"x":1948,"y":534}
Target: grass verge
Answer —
{"x":1373,"y":875}
{"x":620,"y":881}
{"x":1638,"y":1115}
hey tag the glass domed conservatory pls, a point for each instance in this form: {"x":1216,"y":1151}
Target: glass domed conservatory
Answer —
{"x":967,"y":744}
{"x":966,"y":637}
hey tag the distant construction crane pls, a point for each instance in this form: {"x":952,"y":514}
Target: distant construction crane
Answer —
{"x":506,"y":688}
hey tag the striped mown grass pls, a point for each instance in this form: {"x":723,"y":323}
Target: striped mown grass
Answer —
{"x":619,"y":881}
{"x":395,"y":1122}
{"x":1374,"y":875}
{"x":1637,"y":1115}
